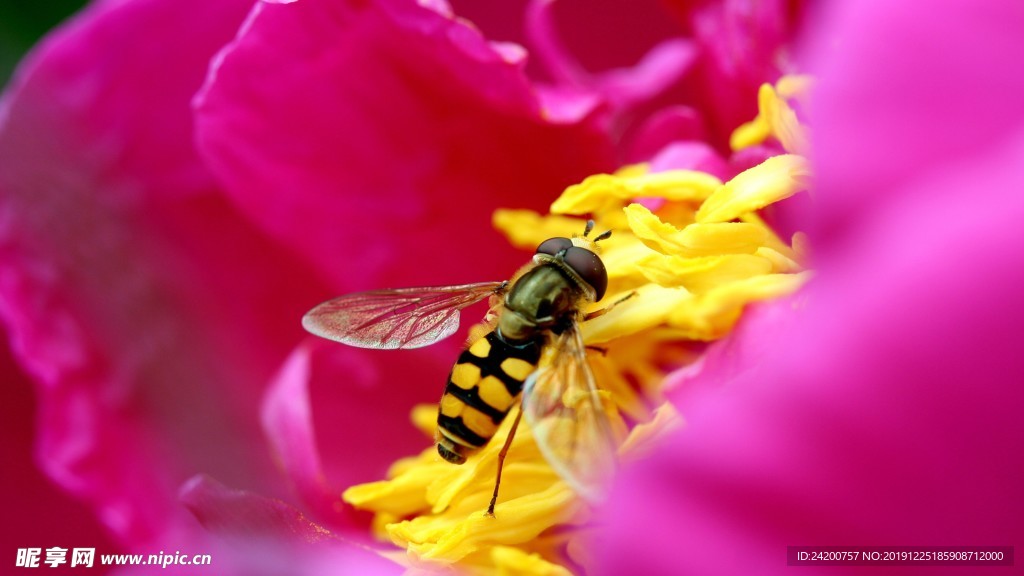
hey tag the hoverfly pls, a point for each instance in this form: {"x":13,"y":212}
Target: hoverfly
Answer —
{"x":533,"y":347}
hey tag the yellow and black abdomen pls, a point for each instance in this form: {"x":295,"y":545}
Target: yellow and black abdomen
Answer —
{"x":482,"y":387}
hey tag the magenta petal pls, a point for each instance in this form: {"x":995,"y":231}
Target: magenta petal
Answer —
{"x":266,"y":536}
{"x":35,"y":509}
{"x":289,"y":427}
{"x":621,"y":87}
{"x":661,"y":68}
{"x":690,"y":155}
{"x":568,"y":105}
{"x":948,"y":71}
{"x":336,"y":417}
{"x":242,"y":514}
{"x":342,"y":126}
{"x":96,"y":150}
{"x":146,"y":309}
{"x":685,"y":156}
{"x":742,"y":43}
{"x":78,"y":62}
{"x":893,"y":384}
{"x":667,"y":125}
{"x":355,"y":406}
{"x":288,"y":423}
{"x":547,"y":45}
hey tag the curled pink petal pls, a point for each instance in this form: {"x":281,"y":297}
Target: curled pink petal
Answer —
{"x":236,"y":513}
{"x":288,"y":423}
{"x":665,"y":126}
{"x":567,"y":105}
{"x":751,"y":156}
{"x":546,"y":44}
{"x":337,"y":416}
{"x":621,"y":87}
{"x":365,"y":425}
{"x":690,"y":155}
{"x":666,"y":64}
{"x":265,"y":536}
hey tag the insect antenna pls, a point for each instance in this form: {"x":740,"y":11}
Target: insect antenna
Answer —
{"x":589,"y":227}
{"x":590,"y":243}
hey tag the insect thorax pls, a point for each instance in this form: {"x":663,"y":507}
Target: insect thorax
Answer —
{"x":545,"y":298}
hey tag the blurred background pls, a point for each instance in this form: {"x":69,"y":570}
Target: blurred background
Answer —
{"x":22,"y":23}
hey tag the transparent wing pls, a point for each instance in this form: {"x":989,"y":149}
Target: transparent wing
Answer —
{"x":402,"y":318}
{"x":567,"y":414}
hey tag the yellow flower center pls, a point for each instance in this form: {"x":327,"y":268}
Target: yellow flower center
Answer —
{"x":693,"y":263}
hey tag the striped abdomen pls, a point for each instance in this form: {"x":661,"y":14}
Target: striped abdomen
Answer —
{"x":483,"y":386}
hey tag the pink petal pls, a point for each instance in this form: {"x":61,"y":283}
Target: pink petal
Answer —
{"x":341,"y":126}
{"x":336,"y":417}
{"x":242,"y":514}
{"x":499,"y":21}
{"x":742,"y":44}
{"x":623,"y":85}
{"x":127,"y":284}
{"x":751,"y":156}
{"x":568,"y":105}
{"x":940,"y":90}
{"x":288,"y":423}
{"x":266,"y":536}
{"x":894,"y":386}
{"x":687,"y":155}
{"x":690,"y":155}
{"x":35,"y":510}
{"x":665,"y":126}
{"x":665,"y":65}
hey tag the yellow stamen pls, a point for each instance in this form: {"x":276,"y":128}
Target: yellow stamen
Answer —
{"x":777,"y":178}
{"x":776,"y":117}
{"x":695,"y":239}
{"x":514,"y":562}
{"x":604,"y":191}
{"x":699,"y":275}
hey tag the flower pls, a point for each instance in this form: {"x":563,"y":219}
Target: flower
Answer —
{"x":885,"y":411}
{"x":674,"y":286}
{"x":168,"y":215}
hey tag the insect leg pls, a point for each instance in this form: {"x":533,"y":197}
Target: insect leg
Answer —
{"x":501,"y":461}
{"x":608,"y":308}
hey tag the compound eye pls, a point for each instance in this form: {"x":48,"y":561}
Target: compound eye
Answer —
{"x":590,"y":268}
{"x":553,"y":246}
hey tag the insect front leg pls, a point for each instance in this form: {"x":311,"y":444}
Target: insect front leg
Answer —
{"x":608,"y":308}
